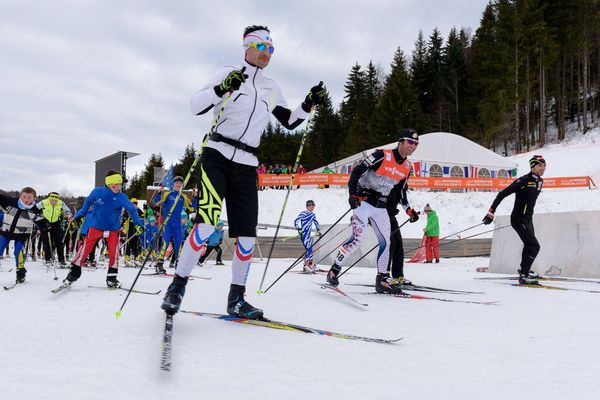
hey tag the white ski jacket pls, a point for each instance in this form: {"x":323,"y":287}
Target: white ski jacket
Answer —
{"x":247,"y":113}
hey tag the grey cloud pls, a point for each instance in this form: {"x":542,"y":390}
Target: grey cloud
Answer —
{"x":83,"y":79}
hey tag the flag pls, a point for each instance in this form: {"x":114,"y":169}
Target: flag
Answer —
{"x":424,"y":170}
{"x":446,"y":171}
{"x":417,"y":168}
{"x":513,"y":172}
{"x":493,"y":174}
{"x":168,"y":179}
{"x":466,"y":172}
{"x":474,"y":171}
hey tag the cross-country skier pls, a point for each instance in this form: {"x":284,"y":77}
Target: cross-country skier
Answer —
{"x":132,"y":248}
{"x":304,"y":223}
{"x":243,"y":99}
{"x":53,"y":209}
{"x":526,"y":189}
{"x":172,"y":228}
{"x":104,"y":221}
{"x":370,"y":184}
{"x":20,"y":215}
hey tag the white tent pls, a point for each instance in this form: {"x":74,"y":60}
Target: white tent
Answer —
{"x":444,"y":154}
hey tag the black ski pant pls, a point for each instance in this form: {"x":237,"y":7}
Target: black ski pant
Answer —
{"x":56,"y":235}
{"x":396,"y":249}
{"x":523,"y":225}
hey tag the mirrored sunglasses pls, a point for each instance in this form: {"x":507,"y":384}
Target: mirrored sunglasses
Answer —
{"x":412,"y":142}
{"x":262,"y":46}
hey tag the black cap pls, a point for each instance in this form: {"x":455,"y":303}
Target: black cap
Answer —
{"x":310,"y":203}
{"x":408,"y":134}
{"x":178,"y":179}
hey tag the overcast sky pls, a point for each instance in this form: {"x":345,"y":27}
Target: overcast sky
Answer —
{"x":83,"y":79}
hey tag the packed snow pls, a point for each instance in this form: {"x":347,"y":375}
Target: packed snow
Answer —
{"x":533,"y":343}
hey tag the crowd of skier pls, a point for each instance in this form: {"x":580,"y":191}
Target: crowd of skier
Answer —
{"x":242,"y":99}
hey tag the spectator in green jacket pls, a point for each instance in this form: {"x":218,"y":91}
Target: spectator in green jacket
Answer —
{"x":432,"y":236}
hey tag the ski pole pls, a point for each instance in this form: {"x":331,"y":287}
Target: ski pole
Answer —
{"x":321,"y":246}
{"x":374,"y":247}
{"x":302,"y":255}
{"x":287,"y":194}
{"x":458,"y":240}
{"x":334,"y":249}
{"x":52,"y":257}
{"x":185,"y":181}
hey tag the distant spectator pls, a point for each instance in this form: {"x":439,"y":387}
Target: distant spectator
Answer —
{"x":270,"y":170}
{"x":327,"y":170}
{"x":301,"y":169}
{"x":432,"y":235}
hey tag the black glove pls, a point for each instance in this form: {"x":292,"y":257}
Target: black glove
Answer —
{"x":354,"y":201}
{"x":232,"y":82}
{"x":315,"y":97}
{"x":300,"y":232}
{"x":489,"y":217}
{"x":44,"y":224}
{"x":414,"y":215}
{"x":78,"y":220}
{"x":319,"y":234}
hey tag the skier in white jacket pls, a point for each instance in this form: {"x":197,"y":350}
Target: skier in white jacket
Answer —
{"x":245,"y":98}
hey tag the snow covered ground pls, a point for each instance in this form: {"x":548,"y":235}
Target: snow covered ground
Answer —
{"x":534,"y":344}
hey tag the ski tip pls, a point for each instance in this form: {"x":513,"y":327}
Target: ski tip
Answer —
{"x":118,"y":314}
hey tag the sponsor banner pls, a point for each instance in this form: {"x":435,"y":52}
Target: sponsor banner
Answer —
{"x":423,"y":182}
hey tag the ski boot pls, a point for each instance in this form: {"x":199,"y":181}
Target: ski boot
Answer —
{"x":332,"y":275}
{"x":127,"y":261}
{"x":219,"y":262}
{"x":236,"y":305}
{"x":111,"y":278}
{"x":174,"y":295}
{"x":527,"y":280}
{"x":159,"y":268}
{"x":385,"y":284}
{"x":73,"y":275}
{"x":531,"y":274}
{"x":21,"y":275}
{"x":402,"y":281}
{"x":62,"y":264}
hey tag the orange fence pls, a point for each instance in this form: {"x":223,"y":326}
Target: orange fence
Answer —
{"x":425,"y":183}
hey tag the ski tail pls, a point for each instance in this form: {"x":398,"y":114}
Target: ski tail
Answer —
{"x":165,"y":359}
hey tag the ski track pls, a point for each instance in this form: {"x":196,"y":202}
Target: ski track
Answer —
{"x":71,"y":346}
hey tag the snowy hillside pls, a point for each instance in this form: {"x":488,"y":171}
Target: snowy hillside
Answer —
{"x":577,"y":157}
{"x":530,"y":344}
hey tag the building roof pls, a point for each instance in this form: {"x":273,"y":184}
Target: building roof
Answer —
{"x":443,"y":148}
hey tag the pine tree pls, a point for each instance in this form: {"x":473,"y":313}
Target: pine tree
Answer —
{"x":147,"y":176}
{"x":455,"y":77}
{"x":399,"y":106}
{"x":322,"y":145}
{"x":185,"y":164}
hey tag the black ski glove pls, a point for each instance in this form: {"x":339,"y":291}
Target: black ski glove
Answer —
{"x":414,"y":215}
{"x":355,"y":200}
{"x":315,"y":97}
{"x":489,"y":217}
{"x":232,"y":82}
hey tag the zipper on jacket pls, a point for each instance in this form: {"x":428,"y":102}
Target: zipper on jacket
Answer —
{"x":251,"y":114}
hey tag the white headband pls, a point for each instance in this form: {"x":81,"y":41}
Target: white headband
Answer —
{"x":261,"y":36}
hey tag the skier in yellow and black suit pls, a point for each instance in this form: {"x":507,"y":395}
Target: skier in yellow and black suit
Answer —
{"x":53,"y":209}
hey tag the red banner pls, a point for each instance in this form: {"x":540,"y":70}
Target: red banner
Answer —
{"x":423,"y":183}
